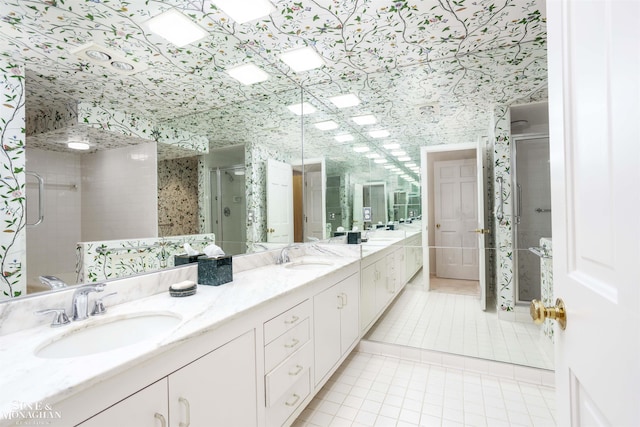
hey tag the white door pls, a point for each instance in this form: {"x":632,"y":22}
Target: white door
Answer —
{"x":456,"y":217}
{"x":279,"y":202}
{"x":594,"y":94}
{"x":358,"y":204}
{"x":314,"y":205}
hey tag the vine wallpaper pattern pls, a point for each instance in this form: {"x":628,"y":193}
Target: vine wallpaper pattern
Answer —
{"x":12,"y":180}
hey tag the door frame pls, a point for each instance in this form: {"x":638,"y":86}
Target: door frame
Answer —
{"x":426,"y":154}
{"x":301,"y":166}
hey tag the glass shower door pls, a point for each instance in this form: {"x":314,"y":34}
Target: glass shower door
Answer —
{"x":229,"y":209}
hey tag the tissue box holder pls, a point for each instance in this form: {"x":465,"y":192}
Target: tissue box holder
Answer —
{"x":354,"y":237}
{"x":215,"y":271}
{"x":185,"y":259}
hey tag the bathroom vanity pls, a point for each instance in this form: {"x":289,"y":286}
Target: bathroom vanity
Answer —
{"x":252,"y":352}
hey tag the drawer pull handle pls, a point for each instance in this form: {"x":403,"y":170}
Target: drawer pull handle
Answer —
{"x":185,"y":402}
{"x":295,"y":400}
{"x":297,"y":371}
{"x":293,"y":319}
{"x":163,"y":421}
{"x":294,"y":342}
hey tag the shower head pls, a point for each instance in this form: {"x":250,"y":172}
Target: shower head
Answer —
{"x":229,"y":175}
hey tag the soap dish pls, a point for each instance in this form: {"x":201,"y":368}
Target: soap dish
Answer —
{"x":183,"y":289}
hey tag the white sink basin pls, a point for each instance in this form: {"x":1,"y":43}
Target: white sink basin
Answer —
{"x":308,"y":264}
{"x":108,"y":334}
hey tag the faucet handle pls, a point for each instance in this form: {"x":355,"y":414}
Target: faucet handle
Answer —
{"x":60,"y":318}
{"x":98,"y":306}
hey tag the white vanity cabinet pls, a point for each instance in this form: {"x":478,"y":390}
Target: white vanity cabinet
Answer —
{"x":413,"y":255}
{"x":373,"y":289}
{"x":218,"y":389}
{"x":146,"y":408}
{"x":288,"y":360}
{"x":336,"y":325}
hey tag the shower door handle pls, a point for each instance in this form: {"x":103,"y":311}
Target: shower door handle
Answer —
{"x":519,"y":204}
{"x":482,"y":231}
{"x":40,"y":199}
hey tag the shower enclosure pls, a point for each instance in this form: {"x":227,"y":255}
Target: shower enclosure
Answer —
{"x":532,"y":211}
{"x":229,"y":208}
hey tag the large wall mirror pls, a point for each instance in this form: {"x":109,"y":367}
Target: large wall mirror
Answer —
{"x":358,"y":131}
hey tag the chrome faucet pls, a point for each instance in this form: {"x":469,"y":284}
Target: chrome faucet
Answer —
{"x":80,"y":301}
{"x":52,"y":281}
{"x":284,"y":254}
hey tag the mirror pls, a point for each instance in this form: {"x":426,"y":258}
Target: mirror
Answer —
{"x":445,"y":89}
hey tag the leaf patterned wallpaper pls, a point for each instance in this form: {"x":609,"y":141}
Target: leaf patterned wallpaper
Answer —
{"x":431,"y":71}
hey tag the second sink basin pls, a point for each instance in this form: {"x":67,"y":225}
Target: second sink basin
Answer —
{"x":110,"y":334}
{"x":308,"y":264}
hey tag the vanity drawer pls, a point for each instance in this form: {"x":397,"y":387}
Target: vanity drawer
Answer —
{"x":289,"y":402}
{"x":288,"y":372}
{"x":285,"y":321}
{"x":285,"y":345}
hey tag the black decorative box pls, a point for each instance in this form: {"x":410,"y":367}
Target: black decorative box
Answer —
{"x":185,"y":259}
{"x":354,"y":237}
{"x":215,"y":271}
{"x":339,"y":233}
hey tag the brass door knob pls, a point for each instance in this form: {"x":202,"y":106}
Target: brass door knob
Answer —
{"x":558,"y":313}
{"x":482,"y":231}
{"x":437,"y":225}
{"x":270,"y":230}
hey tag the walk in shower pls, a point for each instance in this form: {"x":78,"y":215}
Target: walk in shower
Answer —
{"x":229,"y":208}
{"x":532,"y":211}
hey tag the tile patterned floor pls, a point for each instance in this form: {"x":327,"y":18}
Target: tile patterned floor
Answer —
{"x":453,"y":323}
{"x":373,"y":390}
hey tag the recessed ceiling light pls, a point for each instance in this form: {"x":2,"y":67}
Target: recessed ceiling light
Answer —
{"x":404,"y":159}
{"x":344,"y":138}
{"x":389,"y":166}
{"x":379,"y":133}
{"x":380,"y":161}
{"x":302,"y":59}
{"x":238,"y":172}
{"x":410,"y":164}
{"x":328,"y":125}
{"x":302,"y":109}
{"x":97,"y":55}
{"x":122,"y":66}
{"x":372,"y":155}
{"x":248,"y":74}
{"x":176,"y":28}
{"x":76,"y":145}
{"x":365,"y":120}
{"x":361,"y":149}
{"x":399,"y":153}
{"x":392,"y":146}
{"x":246,"y":10}
{"x":344,"y":101}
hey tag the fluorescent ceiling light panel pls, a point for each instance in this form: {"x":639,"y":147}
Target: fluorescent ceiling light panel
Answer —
{"x":75,"y":145}
{"x":365,"y":120}
{"x":399,"y":153}
{"x":328,"y":125}
{"x":379,"y":133}
{"x":248,"y":74}
{"x":360,"y":149}
{"x":410,"y":164}
{"x":392,"y":146}
{"x":302,"y":109}
{"x":344,"y":138}
{"x":380,"y":161}
{"x":176,"y":28}
{"x":344,"y":101}
{"x":372,"y":155}
{"x":404,"y":159}
{"x":245,"y":10}
{"x":302,"y":59}
{"x":389,"y":166}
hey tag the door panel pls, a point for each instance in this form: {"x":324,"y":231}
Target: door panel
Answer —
{"x":594,"y":64}
{"x":279,"y":202}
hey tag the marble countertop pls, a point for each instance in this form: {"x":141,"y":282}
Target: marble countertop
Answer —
{"x":27,"y":378}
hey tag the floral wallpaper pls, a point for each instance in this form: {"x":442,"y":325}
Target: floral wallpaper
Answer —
{"x":502,"y":202}
{"x":111,"y":259}
{"x":12,"y":179}
{"x":178,"y":197}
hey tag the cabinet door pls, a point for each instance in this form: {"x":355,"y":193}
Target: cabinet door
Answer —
{"x":382,"y":287}
{"x":367,"y":296}
{"x":326,"y":330}
{"x":349,"y":331}
{"x":219,"y":389}
{"x":146,"y":408}
{"x":401,"y":269}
